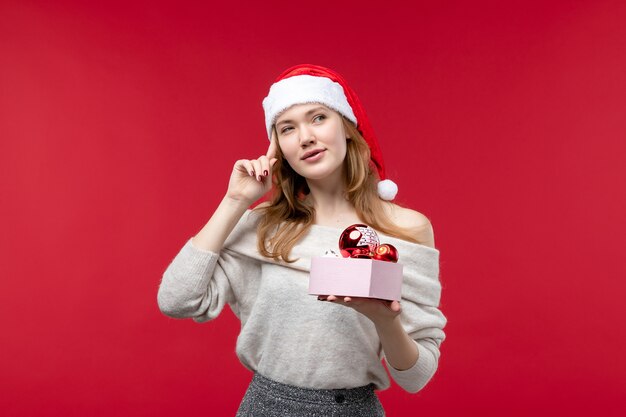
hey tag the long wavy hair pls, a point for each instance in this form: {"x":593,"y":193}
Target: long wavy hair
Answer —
{"x":289,"y":215}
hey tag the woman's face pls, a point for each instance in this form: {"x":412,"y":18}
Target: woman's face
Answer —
{"x":313,"y":140}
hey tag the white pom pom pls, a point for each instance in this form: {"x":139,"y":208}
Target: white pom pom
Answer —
{"x":387,"y":190}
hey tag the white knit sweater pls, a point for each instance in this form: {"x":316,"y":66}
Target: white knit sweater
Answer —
{"x":288,"y":335}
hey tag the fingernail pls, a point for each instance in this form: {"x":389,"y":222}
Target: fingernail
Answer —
{"x":265,"y":172}
{"x":251,"y":174}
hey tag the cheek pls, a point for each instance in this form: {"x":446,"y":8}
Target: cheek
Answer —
{"x":342,"y":145}
{"x":287,"y":149}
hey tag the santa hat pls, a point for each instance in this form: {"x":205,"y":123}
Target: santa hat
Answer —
{"x":306,"y":83}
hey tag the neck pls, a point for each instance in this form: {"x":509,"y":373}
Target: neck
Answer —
{"x":331,"y":206}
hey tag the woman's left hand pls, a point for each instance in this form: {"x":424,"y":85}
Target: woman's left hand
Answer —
{"x":377,"y":310}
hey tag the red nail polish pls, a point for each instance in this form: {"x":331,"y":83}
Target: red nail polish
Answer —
{"x":265,"y":172}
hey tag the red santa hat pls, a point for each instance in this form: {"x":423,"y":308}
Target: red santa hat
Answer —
{"x":306,"y":83}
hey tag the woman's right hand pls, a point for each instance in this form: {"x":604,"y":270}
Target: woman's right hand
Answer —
{"x":252,"y":178}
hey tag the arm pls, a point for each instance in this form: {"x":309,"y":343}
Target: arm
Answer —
{"x":426,"y":341}
{"x":421,"y":324}
{"x":199,"y":281}
{"x":400,"y":350}
{"x":213,"y":235}
{"x":410,"y":341}
{"x":249,"y":180}
{"x":410,"y":335}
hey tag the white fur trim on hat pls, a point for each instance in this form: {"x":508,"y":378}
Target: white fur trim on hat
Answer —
{"x":387,"y":190}
{"x":301,"y":89}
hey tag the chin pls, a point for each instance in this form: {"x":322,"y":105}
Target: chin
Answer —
{"x":318,"y":174}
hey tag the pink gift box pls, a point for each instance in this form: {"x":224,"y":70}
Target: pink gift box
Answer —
{"x":355,"y":277}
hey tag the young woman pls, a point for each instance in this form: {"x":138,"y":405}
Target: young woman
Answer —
{"x":312,"y":355}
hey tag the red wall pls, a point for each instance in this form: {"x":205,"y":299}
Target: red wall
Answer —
{"x":504,"y":122}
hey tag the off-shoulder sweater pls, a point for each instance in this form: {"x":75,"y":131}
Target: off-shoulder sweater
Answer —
{"x":288,"y":335}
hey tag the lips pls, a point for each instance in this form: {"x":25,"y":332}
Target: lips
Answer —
{"x":312,"y":153}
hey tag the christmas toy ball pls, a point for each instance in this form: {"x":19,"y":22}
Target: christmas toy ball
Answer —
{"x":358,"y":241}
{"x":386,"y":252}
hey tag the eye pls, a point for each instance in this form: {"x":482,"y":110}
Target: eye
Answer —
{"x":284,"y":130}
{"x":321,"y":116}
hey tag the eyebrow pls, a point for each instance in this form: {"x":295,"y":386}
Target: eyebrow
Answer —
{"x":306,"y":114}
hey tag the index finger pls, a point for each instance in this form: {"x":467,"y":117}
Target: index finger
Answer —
{"x":271,"y":151}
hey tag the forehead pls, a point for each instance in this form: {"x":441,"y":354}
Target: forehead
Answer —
{"x":299,"y":110}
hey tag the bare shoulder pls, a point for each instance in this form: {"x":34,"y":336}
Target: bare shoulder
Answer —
{"x":415,"y":222}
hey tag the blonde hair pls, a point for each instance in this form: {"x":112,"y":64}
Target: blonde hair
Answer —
{"x":288,"y":216}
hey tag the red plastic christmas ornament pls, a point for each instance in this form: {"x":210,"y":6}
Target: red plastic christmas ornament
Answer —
{"x":358,"y":241}
{"x":386,"y":252}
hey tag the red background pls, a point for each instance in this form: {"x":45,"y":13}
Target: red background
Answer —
{"x":503,"y":122}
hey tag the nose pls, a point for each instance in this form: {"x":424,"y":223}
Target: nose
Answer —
{"x":306,"y":137}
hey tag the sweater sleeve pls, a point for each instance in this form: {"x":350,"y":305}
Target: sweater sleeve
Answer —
{"x":198,"y":283}
{"x":421,"y":318}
